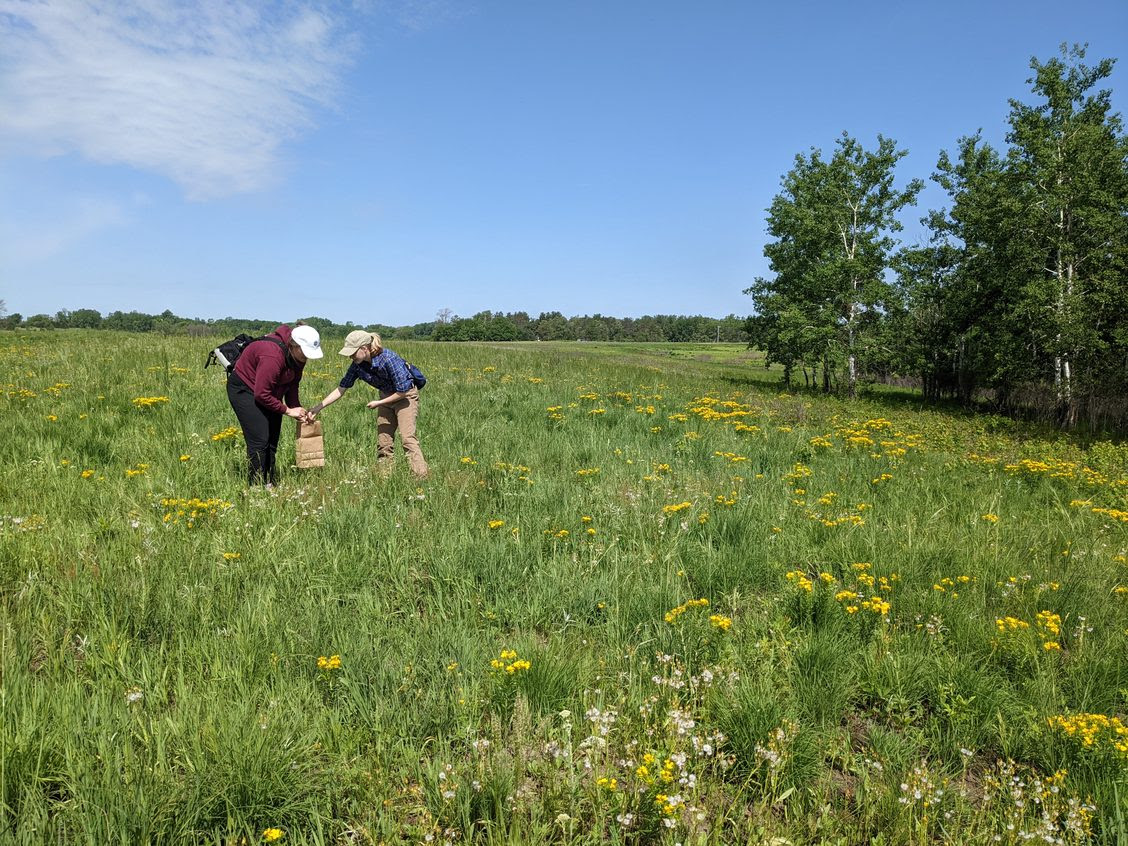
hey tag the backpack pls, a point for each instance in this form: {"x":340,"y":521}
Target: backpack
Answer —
{"x":228,"y":352}
{"x":417,"y":377}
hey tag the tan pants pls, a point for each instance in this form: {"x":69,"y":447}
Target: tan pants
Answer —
{"x":400,"y":416}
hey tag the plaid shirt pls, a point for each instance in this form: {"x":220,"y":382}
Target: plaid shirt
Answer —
{"x":387,"y":373}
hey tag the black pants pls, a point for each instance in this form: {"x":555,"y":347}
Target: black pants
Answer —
{"x":261,"y":430}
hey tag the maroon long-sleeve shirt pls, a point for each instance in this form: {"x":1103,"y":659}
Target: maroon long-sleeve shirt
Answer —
{"x":267,"y":371}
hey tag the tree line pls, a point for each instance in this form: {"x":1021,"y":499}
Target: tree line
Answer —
{"x":554,"y":326}
{"x":165,"y":323}
{"x":1019,"y":294}
{"x":483,"y":326}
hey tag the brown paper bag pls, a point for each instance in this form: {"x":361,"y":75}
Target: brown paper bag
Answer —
{"x":309,"y":445}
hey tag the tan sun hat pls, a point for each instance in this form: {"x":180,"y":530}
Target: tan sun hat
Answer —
{"x":355,"y":340}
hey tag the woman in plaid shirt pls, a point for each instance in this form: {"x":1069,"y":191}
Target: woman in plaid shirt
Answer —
{"x":398,"y":405}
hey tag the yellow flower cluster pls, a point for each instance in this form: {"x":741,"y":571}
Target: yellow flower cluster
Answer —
{"x":852,"y":597}
{"x":801,"y":579}
{"x":840,"y":518}
{"x":136,"y":470}
{"x":1049,"y":622}
{"x":1093,"y":730}
{"x":333,"y":662}
{"x":729,"y":413}
{"x":496,"y":524}
{"x":1114,"y":513}
{"x":673,"y":614}
{"x":229,"y":432}
{"x":666,"y":805}
{"x":675,"y":508}
{"x":508,"y":662}
{"x":877,"y":605}
{"x":1047,"y":625}
{"x":1055,"y":468}
{"x":709,"y":408}
{"x":720,"y":622}
{"x":273,"y":835}
{"x":1010,"y":624}
{"x":948,"y":586}
{"x":731,"y":456}
{"x":799,"y":471}
{"x":587,"y":471}
{"x":192,"y":509}
{"x":148,"y":402}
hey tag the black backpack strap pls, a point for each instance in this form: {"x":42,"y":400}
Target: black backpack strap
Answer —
{"x":290,"y":362}
{"x":282,"y":346}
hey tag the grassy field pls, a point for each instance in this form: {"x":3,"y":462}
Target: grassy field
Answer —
{"x":645,"y":597}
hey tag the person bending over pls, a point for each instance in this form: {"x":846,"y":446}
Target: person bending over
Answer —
{"x":398,"y":406}
{"x":263,"y":388}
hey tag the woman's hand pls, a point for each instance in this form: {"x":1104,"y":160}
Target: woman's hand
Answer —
{"x":298,"y":413}
{"x":374,"y":404}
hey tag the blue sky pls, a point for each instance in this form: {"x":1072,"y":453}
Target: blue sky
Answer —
{"x":380,"y":160}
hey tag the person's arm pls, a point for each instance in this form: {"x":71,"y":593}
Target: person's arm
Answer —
{"x":291,"y":396}
{"x":390,"y":399}
{"x":266,"y":378}
{"x":330,"y":398}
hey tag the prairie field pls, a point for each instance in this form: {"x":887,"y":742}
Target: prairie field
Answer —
{"x":646,"y":596}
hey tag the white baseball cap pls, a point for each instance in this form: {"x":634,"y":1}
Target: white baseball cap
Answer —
{"x":307,"y":338}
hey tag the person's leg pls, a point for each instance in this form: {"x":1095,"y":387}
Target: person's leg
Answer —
{"x":385,"y":438}
{"x":407,"y":413}
{"x":274,"y":432}
{"x":255,"y":426}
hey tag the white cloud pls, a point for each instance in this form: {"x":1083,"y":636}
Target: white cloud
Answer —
{"x":202,"y":92}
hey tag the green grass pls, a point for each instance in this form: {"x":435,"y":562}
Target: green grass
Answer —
{"x":882,"y":584}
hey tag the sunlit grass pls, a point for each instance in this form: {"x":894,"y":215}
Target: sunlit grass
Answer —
{"x":645,"y":597}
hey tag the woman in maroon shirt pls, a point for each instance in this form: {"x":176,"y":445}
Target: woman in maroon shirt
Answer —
{"x":263,"y":387}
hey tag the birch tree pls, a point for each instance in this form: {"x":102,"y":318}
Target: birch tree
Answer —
{"x":1067,"y":163}
{"x":833,"y":225}
{"x":1036,"y":296}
